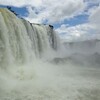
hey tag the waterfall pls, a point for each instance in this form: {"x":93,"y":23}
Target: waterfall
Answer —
{"x":21,"y":41}
{"x":28,"y":68}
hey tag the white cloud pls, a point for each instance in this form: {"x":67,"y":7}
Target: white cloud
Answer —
{"x":50,"y":10}
{"x":32,"y":16}
{"x":90,"y":30}
{"x":94,"y":19}
{"x":20,"y":3}
{"x":54,"y":11}
{"x":76,"y":33}
{"x":93,"y":1}
{"x":95,"y":16}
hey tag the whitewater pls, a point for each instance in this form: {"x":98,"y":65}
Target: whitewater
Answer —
{"x":35,"y":66}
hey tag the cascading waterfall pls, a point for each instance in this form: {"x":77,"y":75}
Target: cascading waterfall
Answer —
{"x":27,"y":68}
{"x":23,"y":41}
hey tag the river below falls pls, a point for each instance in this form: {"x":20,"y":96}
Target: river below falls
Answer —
{"x":45,"y":81}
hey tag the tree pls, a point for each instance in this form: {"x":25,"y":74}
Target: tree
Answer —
{"x":9,"y":8}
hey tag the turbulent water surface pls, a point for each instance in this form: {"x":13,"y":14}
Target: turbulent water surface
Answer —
{"x":32,"y":68}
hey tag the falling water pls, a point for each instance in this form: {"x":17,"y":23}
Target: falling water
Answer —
{"x":31,"y":69}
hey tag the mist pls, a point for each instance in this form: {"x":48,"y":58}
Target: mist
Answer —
{"x":46,"y":81}
{"x":36,"y":65}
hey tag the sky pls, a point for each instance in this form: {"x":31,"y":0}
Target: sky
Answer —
{"x":73,"y":20}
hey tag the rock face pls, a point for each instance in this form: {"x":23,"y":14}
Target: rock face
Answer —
{"x":21,"y":41}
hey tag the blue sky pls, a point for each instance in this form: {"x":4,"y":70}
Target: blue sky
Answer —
{"x":72,"y":19}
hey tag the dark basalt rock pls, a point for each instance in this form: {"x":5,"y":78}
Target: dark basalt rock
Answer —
{"x":51,"y":26}
{"x":9,"y":8}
